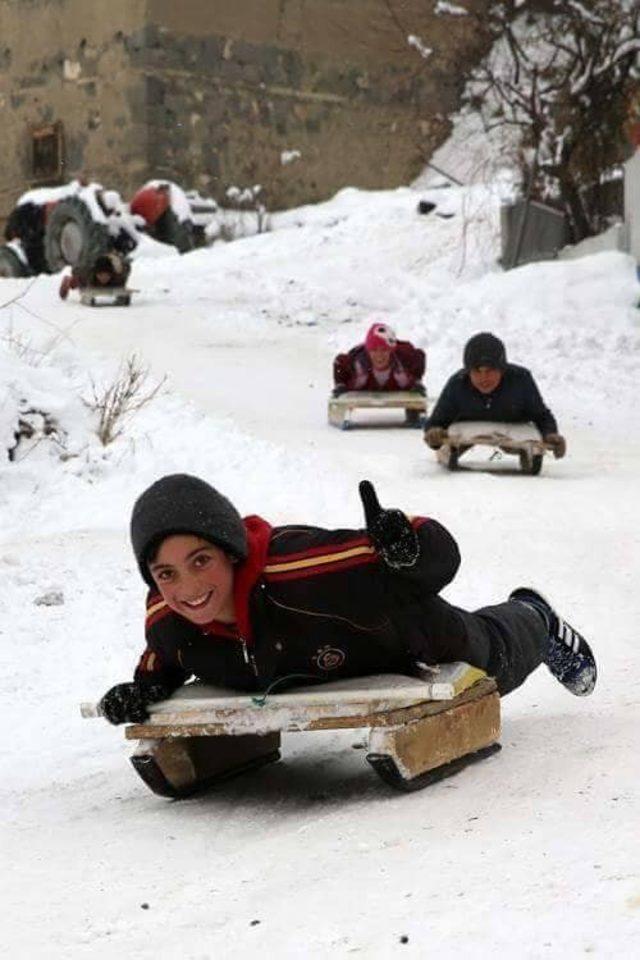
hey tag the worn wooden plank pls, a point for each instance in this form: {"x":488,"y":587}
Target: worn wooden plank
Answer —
{"x":198,"y":701}
{"x":381,"y":691}
{"x":507,"y":436}
{"x":438,"y":739}
{"x":179,"y":767}
{"x":340,"y":408}
{"x":379,"y":399}
{"x":255,"y":720}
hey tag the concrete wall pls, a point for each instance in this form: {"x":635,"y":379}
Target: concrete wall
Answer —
{"x":211,"y":92}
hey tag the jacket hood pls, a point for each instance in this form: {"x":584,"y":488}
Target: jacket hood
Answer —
{"x":248,"y":573}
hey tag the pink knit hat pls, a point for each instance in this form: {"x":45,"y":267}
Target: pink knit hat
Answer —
{"x":380,"y":336}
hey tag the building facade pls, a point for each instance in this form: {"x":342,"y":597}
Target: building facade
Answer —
{"x":301,"y":96}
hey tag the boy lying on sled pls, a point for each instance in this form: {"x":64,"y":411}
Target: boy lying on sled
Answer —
{"x":241,"y":604}
{"x":382,"y":364}
{"x":489,"y":388}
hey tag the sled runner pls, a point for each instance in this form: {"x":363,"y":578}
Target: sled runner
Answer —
{"x":420,"y":730}
{"x":106,"y":296}
{"x":520,"y":439}
{"x":413,"y":403}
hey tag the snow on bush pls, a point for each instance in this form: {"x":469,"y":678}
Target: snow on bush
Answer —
{"x":245,"y":216}
{"x":41,"y":416}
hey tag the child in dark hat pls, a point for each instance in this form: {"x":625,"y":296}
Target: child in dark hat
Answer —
{"x":241,"y":604}
{"x":490,"y":388}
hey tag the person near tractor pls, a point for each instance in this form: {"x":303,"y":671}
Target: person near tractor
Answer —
{"x":110,"y":271}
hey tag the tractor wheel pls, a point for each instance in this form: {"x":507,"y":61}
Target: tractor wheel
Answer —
{"x":26,"y":224}
{"x":73,"y":238}
{"x":11,"y":265}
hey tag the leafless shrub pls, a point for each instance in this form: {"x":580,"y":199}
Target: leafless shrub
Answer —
{"x":22,"y":348}
{"x":245,"y":215}
{"x":116,"y":403}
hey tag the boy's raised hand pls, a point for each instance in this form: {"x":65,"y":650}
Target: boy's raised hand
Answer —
{"x":390,"y":530}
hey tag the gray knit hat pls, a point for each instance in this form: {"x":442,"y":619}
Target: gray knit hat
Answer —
{"x":180,"y":503}
{"x":485,"y":350}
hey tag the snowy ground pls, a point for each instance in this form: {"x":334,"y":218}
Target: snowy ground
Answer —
{"x":533,"y":853}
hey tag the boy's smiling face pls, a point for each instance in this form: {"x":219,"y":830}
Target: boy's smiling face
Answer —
{"x":195,"y":578}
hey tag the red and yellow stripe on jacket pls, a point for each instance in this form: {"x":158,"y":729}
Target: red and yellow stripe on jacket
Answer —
{"x":316,"y":561}
{"x":270,"y":560}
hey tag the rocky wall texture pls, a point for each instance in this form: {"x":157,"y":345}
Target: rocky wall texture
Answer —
{"x":69,"y":61}
{"x":302,"y":96}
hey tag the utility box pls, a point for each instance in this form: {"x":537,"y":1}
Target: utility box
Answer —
{"x":531,"y":231}
{"x":632,"y":204}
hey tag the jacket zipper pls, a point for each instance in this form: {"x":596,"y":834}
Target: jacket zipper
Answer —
{"x":332,"y":616}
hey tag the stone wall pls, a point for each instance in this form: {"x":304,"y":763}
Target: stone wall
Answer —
{"x":230,"y":86}
{"x":69,"y":61}
{"x":212,"y":93}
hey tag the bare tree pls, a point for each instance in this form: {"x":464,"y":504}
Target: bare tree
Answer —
{"x":560,"y":73}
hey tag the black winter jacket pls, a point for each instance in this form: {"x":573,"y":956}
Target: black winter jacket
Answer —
{"x":311,"y":604}
{"x":515,"y":400}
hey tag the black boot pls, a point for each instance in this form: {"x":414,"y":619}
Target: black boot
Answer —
{"x":413,"y":418}
{"x":569,"y":656}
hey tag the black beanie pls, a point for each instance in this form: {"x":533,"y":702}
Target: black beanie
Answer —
{"x":485,"y":350}
{"x":180,"y":503}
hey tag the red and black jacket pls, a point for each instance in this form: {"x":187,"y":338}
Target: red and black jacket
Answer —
{"x":354,"y":370}
{"x":516,"y":399}
{"x":311,"y":604}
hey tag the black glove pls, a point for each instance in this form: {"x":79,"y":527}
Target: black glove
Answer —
{"x":128,"y":702}
{"x":391,"y":530}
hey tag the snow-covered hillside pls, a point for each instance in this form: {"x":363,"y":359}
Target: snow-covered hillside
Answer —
{"x":533,"y":853}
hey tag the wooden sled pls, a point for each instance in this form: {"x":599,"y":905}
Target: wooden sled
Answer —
{"x":106,"y":296}
{"x":413,"y":403}
{"x":520,"y":439}
{"x":420,"y":730}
